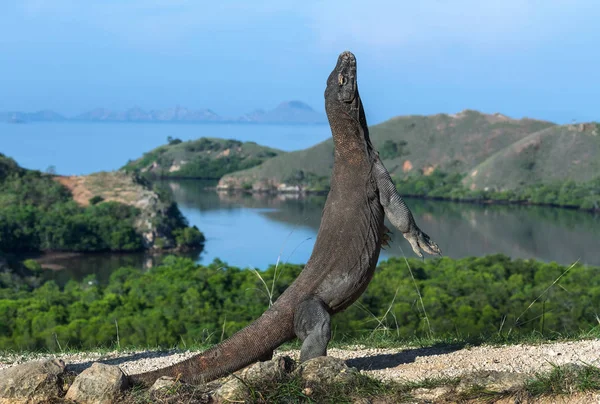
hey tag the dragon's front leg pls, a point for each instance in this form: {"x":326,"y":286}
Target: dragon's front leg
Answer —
{"x":399,"y":214}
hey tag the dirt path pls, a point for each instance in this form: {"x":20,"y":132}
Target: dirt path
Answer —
{"x":400,"y":364}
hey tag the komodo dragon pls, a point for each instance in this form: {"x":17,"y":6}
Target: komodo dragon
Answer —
{"x":344,"y":256}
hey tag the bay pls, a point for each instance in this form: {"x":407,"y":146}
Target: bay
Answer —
{"x":260,"y":230}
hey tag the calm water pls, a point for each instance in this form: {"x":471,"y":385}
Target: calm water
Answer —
{"x":83,"y":148}
{"x":256,"y":230}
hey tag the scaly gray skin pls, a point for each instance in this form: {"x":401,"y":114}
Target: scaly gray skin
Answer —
{"x":344,"y":256}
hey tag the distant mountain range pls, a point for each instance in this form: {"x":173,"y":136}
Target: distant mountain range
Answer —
{"x":289,"y":112}
{"x":39,"y":116}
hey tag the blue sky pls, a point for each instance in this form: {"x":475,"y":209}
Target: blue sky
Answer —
{"x":536,"y":58}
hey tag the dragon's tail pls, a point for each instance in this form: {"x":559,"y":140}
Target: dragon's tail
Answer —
{"x":248,"y":345}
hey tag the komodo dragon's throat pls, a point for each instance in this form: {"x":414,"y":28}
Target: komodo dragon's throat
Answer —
{"x":345,"y":254}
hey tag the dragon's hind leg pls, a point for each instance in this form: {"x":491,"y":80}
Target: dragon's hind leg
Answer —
{"x":312,"y":324}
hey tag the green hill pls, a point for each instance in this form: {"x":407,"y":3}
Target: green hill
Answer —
{"x":204,"y":158}
{"x":557,"y":154}
{"x":408,"y":145}
{"x":309,"y":168}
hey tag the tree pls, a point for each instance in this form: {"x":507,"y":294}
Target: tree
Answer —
{"x":173,"y":141}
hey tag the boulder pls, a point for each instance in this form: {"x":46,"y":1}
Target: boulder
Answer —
{"x":236,"y":387}
{"x":32,"y":382}
{"x":326,"y":370}
{"x":98,"y":384}
{"x":164,"y":383}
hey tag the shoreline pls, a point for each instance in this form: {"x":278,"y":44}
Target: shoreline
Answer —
{"x":304,"y":192}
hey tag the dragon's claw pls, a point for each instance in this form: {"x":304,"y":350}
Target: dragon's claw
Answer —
{"x":386,"y":238}
{"x":420,"y":241}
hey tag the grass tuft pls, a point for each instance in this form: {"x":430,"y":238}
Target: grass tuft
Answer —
{"x":563,"y":380}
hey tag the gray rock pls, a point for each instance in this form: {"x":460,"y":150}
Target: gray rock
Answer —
{"x":326,"y":369}
{"x":430,"y":395}
{"x":267,"y":370}
{"x":98,"y":384}
{"x":32,"y":382}
{"x":236,"y":387}
{"x":164,"y":383}
{"x":231,"y":391}
{"x":493,"y":380}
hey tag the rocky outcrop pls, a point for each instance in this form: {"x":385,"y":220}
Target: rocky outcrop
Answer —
{"x":227,"y":184}
{"x":129,"y":189}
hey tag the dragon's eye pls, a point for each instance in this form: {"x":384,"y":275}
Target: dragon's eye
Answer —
{"x":341,"y":79}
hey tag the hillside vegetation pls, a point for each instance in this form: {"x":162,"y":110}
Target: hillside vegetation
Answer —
{"x":100,"y":212}
{"x":408,"y":145}
{"x":204,"y":158}
{"x":180,"y":302}
{"x":307,"y":169}
{"x":557,"y":154}
{"x":467,"y":156}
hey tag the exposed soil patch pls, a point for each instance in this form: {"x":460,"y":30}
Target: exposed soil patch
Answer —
{"x":111,"y":186}
{"x":76,"y":185}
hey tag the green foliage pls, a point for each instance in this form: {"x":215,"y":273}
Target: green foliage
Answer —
{"x":8,"y":166}
{"x":564,"y":380}
{"x":181,"y":301}
{"x":204,"y":158}
{"x":583,"y":195}
{"x":309,"y":168}
{"x":188,"y":236}
{"x":173,"y":141}
{"x":96,"y":199}
{"x":391,"y":149}
{"x":38,"y":213}
{"x":309,"y":180}
{"x":32,"y":265}
{"x":208,"y":168}
{"x":68,"y":227}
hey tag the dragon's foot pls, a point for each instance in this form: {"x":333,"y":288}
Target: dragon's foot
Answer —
{"x":420,"y":241}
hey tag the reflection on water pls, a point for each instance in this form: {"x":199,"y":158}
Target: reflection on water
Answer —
{"x":65,"y":266}
{"x":244,"y":229}
{"x":258,"y":230}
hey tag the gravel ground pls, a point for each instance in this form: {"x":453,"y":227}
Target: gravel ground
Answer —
{"x":386,"y":364}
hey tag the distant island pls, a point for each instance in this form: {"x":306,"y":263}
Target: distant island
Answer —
{"x":288,"y":112}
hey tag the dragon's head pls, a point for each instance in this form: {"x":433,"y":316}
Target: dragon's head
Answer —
{"x":344,"y":107}
{"x":342,"y":90}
